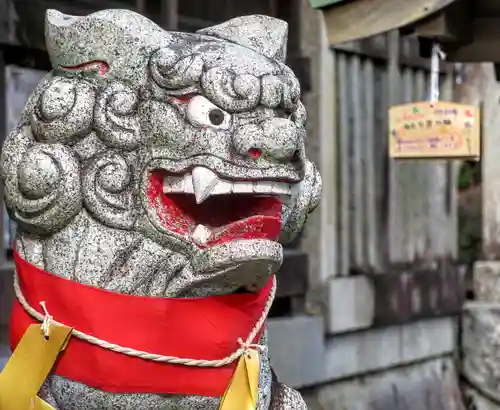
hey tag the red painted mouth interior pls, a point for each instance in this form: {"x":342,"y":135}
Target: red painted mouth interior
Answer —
{"x":230,"y":217}
{"x":102,"y":66}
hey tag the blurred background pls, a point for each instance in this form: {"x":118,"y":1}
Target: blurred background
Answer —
{"x":367,"y":313}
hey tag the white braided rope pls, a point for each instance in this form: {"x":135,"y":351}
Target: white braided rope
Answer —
{"x":245,"y":345}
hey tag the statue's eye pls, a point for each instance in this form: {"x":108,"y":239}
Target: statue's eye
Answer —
{"x":202,"y":113}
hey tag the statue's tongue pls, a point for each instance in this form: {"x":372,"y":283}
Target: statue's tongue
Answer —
{"x":218,"y":219}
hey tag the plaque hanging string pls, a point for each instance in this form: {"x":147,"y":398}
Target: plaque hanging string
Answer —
{"x":436,"y":57}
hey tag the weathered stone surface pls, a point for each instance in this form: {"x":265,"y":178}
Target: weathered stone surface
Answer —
{"x":296,"y":348}
{"x":486,"y":281}
{"x":378,"y":349}
{"x":481,"y":347}
{"x":109,"y":122}
{"x":431,"y":385}
{"x":357,"y":297}
{"x":475,"y":401}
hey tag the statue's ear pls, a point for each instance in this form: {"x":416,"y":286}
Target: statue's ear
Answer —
{"x":265,"y":35}
{"x":120,"y":38}
{"x":57,"y":29}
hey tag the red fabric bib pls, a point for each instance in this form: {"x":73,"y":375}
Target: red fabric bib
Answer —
{"x":198,"y":328}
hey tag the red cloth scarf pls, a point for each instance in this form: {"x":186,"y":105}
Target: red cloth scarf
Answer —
{"x":198,"y":328}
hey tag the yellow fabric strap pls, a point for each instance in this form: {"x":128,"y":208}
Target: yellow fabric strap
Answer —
{"x":29,"y":366}
{"x":242,"y":391}
{"x":34,"y":357}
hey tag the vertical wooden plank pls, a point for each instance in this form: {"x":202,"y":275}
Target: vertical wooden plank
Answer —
{"x":11,"y":22}
{"x":436,"y":197}
{"x":408,"y":180}
{"x":273,"y":8}
{"x":170,"y":14}
{"x":421,"y":90}
{"x":372,"y":167}
{"x":140,"y":6}
{"x":451,"y":187}
{"x":401,"y":174}
{"x":328,"y":142}
{"x":382,"y":170}
{"x":3,"y":130}
{"x":357,"y":166}
{"x":423,"y":173}
{"x":343,"y":165}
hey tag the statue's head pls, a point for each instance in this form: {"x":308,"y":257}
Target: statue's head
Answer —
{"x":193,"y":141}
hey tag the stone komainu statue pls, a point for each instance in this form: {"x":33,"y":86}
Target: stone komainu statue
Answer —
{"x":152,"y":177}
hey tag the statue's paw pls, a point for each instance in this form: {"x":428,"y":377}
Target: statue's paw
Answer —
{"x":305,"y":198}
{"x":286,"y":398}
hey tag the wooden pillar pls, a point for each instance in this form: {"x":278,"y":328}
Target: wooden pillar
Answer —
{"x":328,"y":161}
{"x":4,"y":131}
{"x":394,"y":217}
{"x":6,"y":294}
{"x":481,"y":317}
{"x":170,"y":14}
{"x":140,"y":6}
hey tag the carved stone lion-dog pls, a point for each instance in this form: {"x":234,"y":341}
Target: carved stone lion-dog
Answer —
{"x":161,"y":164}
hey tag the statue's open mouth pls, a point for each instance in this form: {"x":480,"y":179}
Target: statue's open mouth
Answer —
{"x":211,"y":210}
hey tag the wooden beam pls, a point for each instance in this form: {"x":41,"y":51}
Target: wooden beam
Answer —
{"x":374,"y":48}
{"x":356,"y":19}
{"x":449,"y":24}
{"x":484,"y":47}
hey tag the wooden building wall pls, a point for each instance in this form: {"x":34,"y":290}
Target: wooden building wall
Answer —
{"x":389,"y":212}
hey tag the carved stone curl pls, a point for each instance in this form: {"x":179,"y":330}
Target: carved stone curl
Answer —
{"x":272,"y":89}
{"x":64,"y":111}
{"x":116,"y":119}
{"x":171,"y":71}
{"x":291,"y":89}
{"x":42,"y":184}
{"x":108,"y":190}
{"x":230,"y":91}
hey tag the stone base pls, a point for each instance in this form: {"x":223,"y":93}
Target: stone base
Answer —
{"x":431,"y":385}
{"x":475,"y":401}
{"x":486,"y":281}
{"x":481,"y":347}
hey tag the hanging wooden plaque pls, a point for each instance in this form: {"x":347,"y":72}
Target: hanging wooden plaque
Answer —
{"x":434,"y":130}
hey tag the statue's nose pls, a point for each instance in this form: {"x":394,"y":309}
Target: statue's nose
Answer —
{"x":275,"y":138}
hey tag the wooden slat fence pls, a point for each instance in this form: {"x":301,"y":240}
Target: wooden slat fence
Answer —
{"x":389,"y":212}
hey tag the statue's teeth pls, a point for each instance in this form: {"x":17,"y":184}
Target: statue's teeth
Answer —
{"x":262,"y":187}
{"x":201,"y":234}
{"x":242,"y":187}
{"x":174,"y":184}
{"x":281,"y":188}
{"x":204,"y":182}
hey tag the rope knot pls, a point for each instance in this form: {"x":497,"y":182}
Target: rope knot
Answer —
{"x":250,"y":346}
{"x":47,"y":320}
